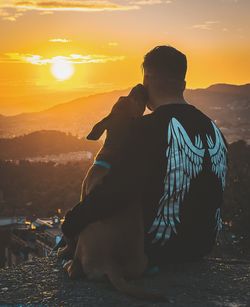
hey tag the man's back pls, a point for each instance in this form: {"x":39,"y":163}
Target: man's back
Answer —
{"x":182,"y":195}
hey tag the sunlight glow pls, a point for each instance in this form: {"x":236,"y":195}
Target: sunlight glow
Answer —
{"x":62,"y":70}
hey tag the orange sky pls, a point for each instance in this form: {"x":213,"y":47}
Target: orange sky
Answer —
{"x":103,"y":43}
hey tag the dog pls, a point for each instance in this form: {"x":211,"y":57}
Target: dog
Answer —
{"x":109,"y":248}
{"x":126,"y":108}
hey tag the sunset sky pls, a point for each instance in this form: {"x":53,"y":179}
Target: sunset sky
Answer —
{"x":53,"y":51}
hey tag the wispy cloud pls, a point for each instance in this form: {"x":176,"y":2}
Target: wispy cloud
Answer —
{"x":68,"y":5}
{"x":10,"y":14}
{"x":12,"y":9}
{"x":207,"y":25}
{"x":113,"y":44}
{"x":59,"y":40}
{"x":72,"y":58}
{"x":45,"y":13}
{"x":75,"y":5}
{"x":150,"y":2}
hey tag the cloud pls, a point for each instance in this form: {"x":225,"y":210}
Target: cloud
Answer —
{"x":12,"y":9}
{"x":113,"y":44}
{"x":45,"y":13}
{"x":207,"y":25}
{"x":73,"y":5}
{"x":10,"y":15}
{"x":70,"y":5}
{"x":72,"y":58}
{"x":150,"y":2}
{"x":59,"y":40}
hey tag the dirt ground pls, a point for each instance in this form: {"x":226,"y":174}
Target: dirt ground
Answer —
{"x":211,"y":282}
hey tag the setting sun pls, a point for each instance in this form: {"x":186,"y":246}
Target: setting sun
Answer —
{"x":62,"y":70}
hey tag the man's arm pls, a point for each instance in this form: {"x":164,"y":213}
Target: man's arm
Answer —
{"x":124,"y":182}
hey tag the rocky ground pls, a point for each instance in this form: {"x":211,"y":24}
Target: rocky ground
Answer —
{"x":212,"y":282}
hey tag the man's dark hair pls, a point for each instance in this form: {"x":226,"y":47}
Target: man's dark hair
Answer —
{"x":166,"y":61}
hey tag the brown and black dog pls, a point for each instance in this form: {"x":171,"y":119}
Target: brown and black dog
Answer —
{"x":113,"y":247}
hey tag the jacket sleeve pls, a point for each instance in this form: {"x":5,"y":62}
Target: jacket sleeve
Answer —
{"x":123,"y":183}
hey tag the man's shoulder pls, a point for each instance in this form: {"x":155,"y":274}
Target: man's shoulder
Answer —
{"x":146,"y":117}
{"x":143,"y":121}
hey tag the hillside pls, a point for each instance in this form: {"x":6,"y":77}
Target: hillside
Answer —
{"x":243,"y":90}
{"x":229,"y":105}
{"x":76,"y":116}
{"x":45,"y":142}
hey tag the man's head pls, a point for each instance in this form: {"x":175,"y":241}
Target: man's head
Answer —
{"x":164,"y":75}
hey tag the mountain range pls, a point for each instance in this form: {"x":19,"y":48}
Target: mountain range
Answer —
{"x":228,"y":105}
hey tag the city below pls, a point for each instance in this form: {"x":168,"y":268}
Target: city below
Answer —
{"x":21,"y":240}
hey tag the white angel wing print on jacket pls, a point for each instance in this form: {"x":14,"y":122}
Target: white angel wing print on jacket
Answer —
{"x":217,"y":151}
{"x":185,"y":161}
{"x":218,"y":154}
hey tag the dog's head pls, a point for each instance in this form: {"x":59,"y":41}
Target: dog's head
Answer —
{"x":132,"y":105}
{"x":126,"y":107}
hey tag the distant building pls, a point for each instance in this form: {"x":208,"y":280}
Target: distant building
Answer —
{"x":63,"y":158}
{"x":48,"y":234}
{"x":25,"y":240}
{"x":11,"y":221}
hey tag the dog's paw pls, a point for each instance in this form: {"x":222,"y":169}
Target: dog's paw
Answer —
{"x":65,"y":252}
{"x":67,"y":265}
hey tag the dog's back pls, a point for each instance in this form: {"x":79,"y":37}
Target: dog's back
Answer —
{"x":115,"y":248}
{"x":117,"y":241}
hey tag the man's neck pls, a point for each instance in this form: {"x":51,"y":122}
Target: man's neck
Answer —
{"x":171,"y":100}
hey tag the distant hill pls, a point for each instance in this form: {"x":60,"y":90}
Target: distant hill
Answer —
{"x":228,"y":104}
{"x":230,"y":89}
{"x":41,"y":143}
{"x":76,"y":116}
{"x":36,"y":102}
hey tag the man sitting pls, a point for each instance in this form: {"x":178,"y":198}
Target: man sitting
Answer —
{"x":174,"y":161}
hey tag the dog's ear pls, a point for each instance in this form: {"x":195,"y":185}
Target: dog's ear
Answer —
{"x":98,"y":129}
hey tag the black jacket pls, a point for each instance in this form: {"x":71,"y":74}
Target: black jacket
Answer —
{"x":175,"y":160}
